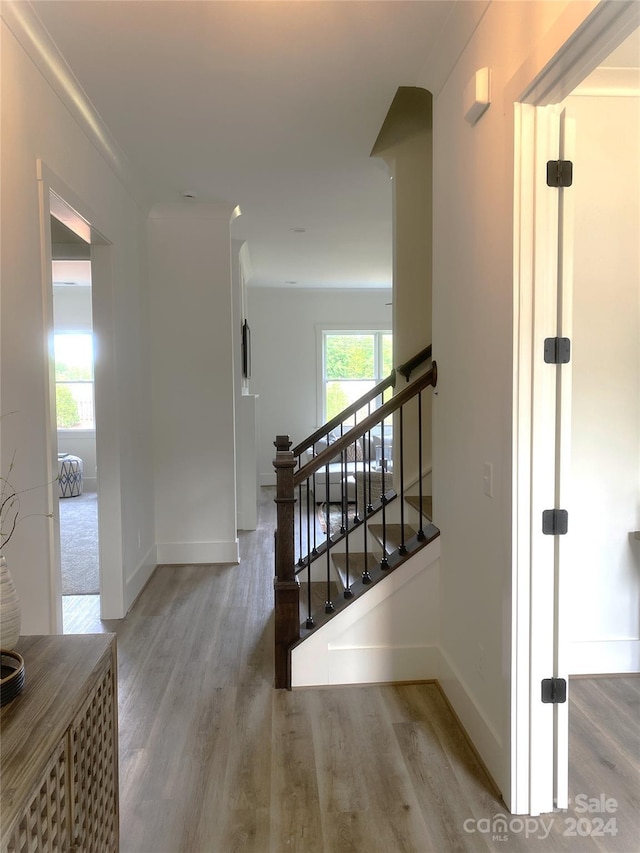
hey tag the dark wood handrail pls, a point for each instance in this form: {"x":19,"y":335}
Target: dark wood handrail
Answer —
{"x":409,"y":366}
{"x":380,"y":388}
{"x":357,"y":431}
{"x":389,"y":382}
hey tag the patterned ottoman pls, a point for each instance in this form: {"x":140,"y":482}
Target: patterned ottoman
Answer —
{"x":69,"y":475}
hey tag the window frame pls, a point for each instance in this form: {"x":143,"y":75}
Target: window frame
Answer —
{"x":82,"y":430}
{"x":322,"y":330}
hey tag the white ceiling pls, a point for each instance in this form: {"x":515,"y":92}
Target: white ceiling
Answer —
{"x":273,"y":106}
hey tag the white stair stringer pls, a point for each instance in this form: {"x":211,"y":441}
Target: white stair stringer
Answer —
{"x":388,"y":634}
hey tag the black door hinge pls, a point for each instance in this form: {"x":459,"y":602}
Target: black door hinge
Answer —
{"x":557,"y":350}
{"x":554,"y":691}
{"x":559,"y":173}
{"x":555,"y":522}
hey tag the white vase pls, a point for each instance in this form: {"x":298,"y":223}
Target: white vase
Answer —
{"x":9,"y":608}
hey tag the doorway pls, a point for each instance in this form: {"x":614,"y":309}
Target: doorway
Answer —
{"x":76,"y":428}
{"x":605,"y":437}
{"x":59,"y":201}
{"x":549,"y":565}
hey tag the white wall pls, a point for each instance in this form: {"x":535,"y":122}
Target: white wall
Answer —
{"x":36,"y":123}
{"x":472,"y":340}
{"x":603,"y":561}
{"x":285,"y":358}
{"x":193,"y":383}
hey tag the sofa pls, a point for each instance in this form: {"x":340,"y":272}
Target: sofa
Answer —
{"x":363,"y":455}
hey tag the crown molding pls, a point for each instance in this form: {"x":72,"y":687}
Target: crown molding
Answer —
{"x":24,"y":23}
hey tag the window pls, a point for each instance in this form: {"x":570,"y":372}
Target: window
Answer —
{"x":74,"y":380}
{"x":353,"y":362}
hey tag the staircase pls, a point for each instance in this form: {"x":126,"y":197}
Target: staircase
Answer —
{"x":335,"y":543}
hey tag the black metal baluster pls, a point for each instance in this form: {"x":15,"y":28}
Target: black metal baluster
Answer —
{"x":384,"y":562}
{"x":343,"y":486}
{"x":366,"y":506}
{"x":356,"y":512}
{"x":347,"y":593}
{"x":328,"y":604}
{"x":367,"y":478}
{"x":310,"y":621}
{"x":420,"y":531}
{"x":367,"y":489}
{"x":366,"y":577}
{"x":300,"y":545}
{"x":314,"y":550}
{"x":403,"y":548}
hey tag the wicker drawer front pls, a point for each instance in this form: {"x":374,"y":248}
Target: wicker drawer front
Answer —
{"x":44,"y":822}
{"x":94,"y":767}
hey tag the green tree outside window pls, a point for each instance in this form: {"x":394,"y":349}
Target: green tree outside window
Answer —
{"x":354,"y":362}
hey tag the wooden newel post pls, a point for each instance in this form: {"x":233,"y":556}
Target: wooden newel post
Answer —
{"x":287,"y":585}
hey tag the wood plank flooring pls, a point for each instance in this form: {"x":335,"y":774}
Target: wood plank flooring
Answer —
{"x":214,"y":760}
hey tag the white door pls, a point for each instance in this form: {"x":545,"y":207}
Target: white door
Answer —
{"x":560,"y":295}
{"x":542,"y":429}
{"x":542,"y":308}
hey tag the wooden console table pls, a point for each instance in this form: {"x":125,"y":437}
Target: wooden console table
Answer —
{"x":59,"y":748}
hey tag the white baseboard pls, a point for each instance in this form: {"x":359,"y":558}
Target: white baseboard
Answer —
{"x":603,"y":657}
{"x":267,"y":479}
{"x":486,"y":740}
{"x":140,"y":577}
{"x":181,"y":553}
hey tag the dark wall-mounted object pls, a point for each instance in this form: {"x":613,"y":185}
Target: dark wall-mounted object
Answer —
{"x":246,"y":350}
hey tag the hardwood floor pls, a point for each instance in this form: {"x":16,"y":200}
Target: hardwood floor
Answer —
{"x":214,"y":760}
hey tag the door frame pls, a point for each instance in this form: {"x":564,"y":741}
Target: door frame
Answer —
{"x":538,"y":779}
{"x":58,"y":199}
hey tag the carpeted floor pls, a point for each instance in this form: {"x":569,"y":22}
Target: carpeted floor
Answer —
{"x":79,"y":544}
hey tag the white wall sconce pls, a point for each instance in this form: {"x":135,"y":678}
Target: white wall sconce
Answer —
{"x":477,"y":95}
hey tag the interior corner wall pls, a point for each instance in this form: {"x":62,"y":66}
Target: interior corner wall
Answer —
{"x":36,"y":124}
{"x":285,"y":368}
{"x":472,"y":339}
{"x":412,"y":272}
{"x":412,"y":264}
{"x":193,"y":383}
{"x":603,"y":558}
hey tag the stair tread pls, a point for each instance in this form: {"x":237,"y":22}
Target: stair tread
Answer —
{"x":377,"y":572}
{"x":318,"y":596}
{"x":356,"y":565}
{"x":427,"y":504}
{"x":393,"y":537}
